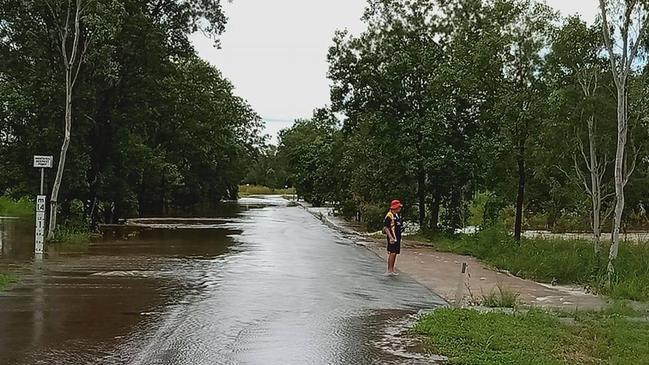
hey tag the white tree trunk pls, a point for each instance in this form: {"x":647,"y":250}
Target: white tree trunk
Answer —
{"x":72,"y":64}
{"x":620,"y":178}
{"x":595,"y":183}
{"x":635,"y":12}
{"x":62,"y":156}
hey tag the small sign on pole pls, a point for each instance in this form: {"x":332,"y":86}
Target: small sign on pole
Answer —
{"x":43,"y":162}
{"x":40,"y":223}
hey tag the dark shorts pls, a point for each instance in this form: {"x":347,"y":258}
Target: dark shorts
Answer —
{"x":394,"y":247}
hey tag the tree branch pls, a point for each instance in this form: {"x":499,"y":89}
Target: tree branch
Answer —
{"x":608,"y":43}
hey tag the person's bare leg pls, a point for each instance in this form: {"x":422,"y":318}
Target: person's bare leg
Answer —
{"x":394,"y":263}
{"x":391,"y":260}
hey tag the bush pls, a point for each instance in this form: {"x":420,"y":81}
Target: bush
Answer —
{"x":69,"y":238}
{"x":22,"y":207}
{"x":373,"y":216}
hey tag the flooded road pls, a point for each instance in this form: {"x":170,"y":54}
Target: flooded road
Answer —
{"x":258,"y":283}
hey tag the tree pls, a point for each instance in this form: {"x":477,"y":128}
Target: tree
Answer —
{"x":155,"y":128}
{"x":72,"y":59}
{"x":521,"y":100}
{"x":307,"y":149}
{"x":384,"y":82}
{"x":575,"y":60}
{"x":629,"y":16}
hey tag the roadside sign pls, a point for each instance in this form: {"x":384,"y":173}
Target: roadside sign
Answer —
{"x":40,"y":224}
{"x":43,"y":162}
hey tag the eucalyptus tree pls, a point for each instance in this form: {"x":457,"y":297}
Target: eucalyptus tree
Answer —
{"x":578,"y":67}
{"x":69,"y":22}
{"x":624,"y":26}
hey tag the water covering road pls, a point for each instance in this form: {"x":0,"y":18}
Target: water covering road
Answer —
{"x":259,"y":283}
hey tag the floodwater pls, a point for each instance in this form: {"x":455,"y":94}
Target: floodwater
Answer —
{"x":258,"y":283}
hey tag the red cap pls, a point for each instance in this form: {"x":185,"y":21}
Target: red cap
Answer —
{"x":395,"y":204}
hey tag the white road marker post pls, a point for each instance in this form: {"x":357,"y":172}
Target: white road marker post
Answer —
{"x":41,"y":162}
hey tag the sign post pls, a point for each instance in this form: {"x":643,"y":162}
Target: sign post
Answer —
{"x":42,"y":162}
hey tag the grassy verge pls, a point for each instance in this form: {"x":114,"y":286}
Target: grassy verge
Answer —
{"x":559,"y":261}
{"x":247,"y":190}
{"x":470,"y":337}
{"x":22,"y":207}
{"x":6,"y":279}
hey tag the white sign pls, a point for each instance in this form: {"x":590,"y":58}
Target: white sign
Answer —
{"x":44,"y":162}
{"x":40,"y":203}
{"x":40,"y":232}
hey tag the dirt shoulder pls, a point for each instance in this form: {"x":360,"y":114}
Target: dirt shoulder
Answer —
{"x":441,"y":272}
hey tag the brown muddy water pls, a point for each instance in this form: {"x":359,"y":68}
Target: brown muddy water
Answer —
{"x":257,"y":283}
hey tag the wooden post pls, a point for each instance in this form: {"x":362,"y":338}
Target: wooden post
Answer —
{"x":459,"y":293}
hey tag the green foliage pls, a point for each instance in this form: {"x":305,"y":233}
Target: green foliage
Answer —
{"x":309,"y":150}
{"x":534,"y":337}
{"x":554,"y":260}
{"x":72,"y":239}
{"x":6,"y":279}
{"x":19,"y":208}
{"x":500,"y":298}
{"x":154,"y":127}
{"x":373,"y":216}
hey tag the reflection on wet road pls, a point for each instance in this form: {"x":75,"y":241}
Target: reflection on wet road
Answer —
{"x":261,"y":284}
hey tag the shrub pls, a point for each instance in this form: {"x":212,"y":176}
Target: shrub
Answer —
{"x":21,"y":207}
{"x":373,"y":216}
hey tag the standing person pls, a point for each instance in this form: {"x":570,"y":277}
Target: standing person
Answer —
{"x":392,"y":227}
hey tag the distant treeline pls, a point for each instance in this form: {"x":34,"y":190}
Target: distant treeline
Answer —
{"x":154,"y":127}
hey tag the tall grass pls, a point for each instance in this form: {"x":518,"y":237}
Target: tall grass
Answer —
{"x":6,"y":279}
{"x":558,"y":261}
{"x":501,"y":298}
{"x":22,"y":207}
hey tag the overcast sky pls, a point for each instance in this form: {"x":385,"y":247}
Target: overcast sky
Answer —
{"x":274,"y":51}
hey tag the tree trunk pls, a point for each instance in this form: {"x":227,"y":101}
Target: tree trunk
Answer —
{"x":434,"y":211}
{"x":595,"y":183}
{"x":520,"y":196}
{"x":619,"y":176}
{"x":71,"y":64}
{"x":63,"y":154}
{"x":421,"y":194}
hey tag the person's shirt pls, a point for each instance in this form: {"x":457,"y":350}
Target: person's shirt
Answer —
{"x":393,"y":222}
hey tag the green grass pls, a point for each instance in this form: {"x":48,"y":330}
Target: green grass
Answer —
{"x":501,"y":298}
{"x":470,"y":337}
{"x":560,"y":261}
{"x":247,"y":190}
{"x":6,"y":279}
{"x":22,"y":207}
{"x":68,"y":239}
